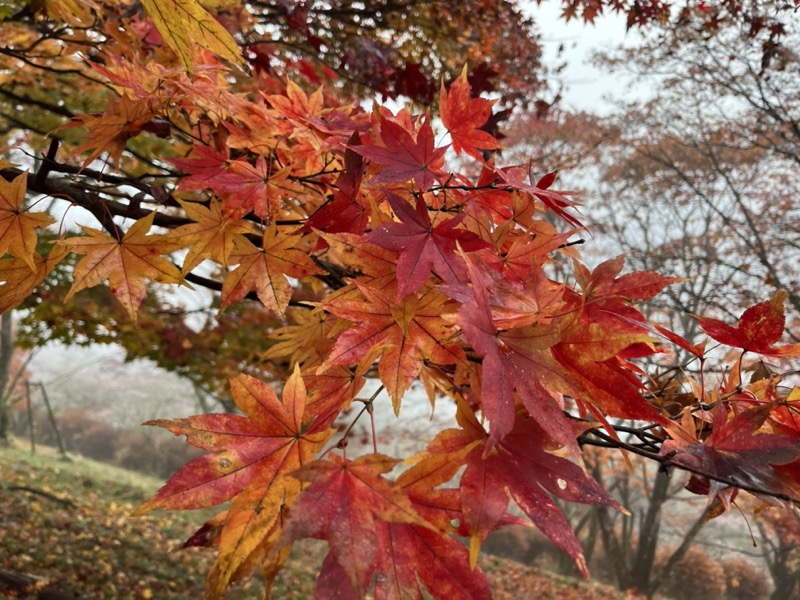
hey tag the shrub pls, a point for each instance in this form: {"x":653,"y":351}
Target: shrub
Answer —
{"x":696,"y":575}
{"x":745,"y":581}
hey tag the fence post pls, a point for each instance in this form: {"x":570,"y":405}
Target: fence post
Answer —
{"x":30,"y":415}
{"x":53,"y":424}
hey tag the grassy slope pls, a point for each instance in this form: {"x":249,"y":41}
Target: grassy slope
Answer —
{"x":92,"y":549}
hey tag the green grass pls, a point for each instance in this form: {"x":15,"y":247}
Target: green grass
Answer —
{"x":75,"y":533}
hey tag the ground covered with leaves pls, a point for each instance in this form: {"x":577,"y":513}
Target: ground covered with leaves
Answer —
{"x":67,"y":533}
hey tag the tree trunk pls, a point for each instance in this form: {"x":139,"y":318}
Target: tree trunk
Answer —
{"x":6,"y":350}
{"x":648,"y":532}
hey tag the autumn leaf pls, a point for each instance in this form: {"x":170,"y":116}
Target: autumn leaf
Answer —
{"x":251,"y":458}
{"x":296,"y":105}
{"x":463,"y":117}
{"x":345,"y":503}
{"x":266,"y":269}
{"x":405,"y":156}
{"x":423,"y":246}
{"x":410,"y":332}
{"x":558,"y":202}
{"x":184,"y":23}
{"x":415,"y":555}
{"x":523,"y":469}
{"x":210,"y":236}
{"x":760,"y":327}
{"x":518,"y":359}
{"x":245,"y":188}
{"x":18,"y":280}
{"x":17,"y":225}
{"x":520,"y":467}
{"x":204,"y":168}
{"x":737,"y":452}
{"x":347,"y":211}
{"x":125,"y":263}
{"x":110,"y":131}
{"x":306,"y":342}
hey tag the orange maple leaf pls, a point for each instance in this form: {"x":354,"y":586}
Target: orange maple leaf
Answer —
{"x":17,"y":225}
{"x":212,"y":235}
{"x":265,"y":269}
{"x":251,"y":459}
{"x":125,"y":263}
{"x":463,"y":116}
{"x":410,"y":332}
{"x":110,"y":131}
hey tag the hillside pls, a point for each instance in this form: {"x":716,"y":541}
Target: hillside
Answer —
{"x":67,"y":534}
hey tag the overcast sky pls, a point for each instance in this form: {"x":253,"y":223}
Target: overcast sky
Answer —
{"x":585,"y":86}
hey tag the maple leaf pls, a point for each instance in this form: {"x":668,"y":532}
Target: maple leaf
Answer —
{"x":204,"y":167}
{"x":364,"y":258}
{"x":250,"y":463}
{"x":417,"y":554}
{"x":519,"y":467}
{"x":110,"y":131}
{"x":423,"y":246}
{"x":736,"y":453}
{"x":296,"y":105}
{"x":304,"y":343}
{"x":345,"y":503}
{"x":265,"y":269}
{"x":410,"y":332}
{"x":184,"y":23}
{"x":125,"y":263}
{"x":517,"y":359}
{"x":760,"y":327}
{"x":346,"y":212}
{"x":558,"y":202}
{"x":211,"y":235}
{"x":247,"y":188}
{"x":405,"y":156}
{"x":17,"y":225}
{"x":18,"y":280}
{"x":463,"y":117}
{"x":601,"y":328}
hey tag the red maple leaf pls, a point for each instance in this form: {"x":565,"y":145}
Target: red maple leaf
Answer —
{"x":463,"y":117}
{"x":521,"y":467}
{"x":602,"y":330}
{"x":418,"y":554}
{"x":257,"y":188}
{"x":737,"y":453}
{"x":204,"y":167}
{"x":345,"y":504}
{"x":558,"y":202}
{"x":517,"y":360}
{"x":346,"y":212}
{"x":423,"y":246}
{"x":405,"y":156}
{"x":759,"y":329}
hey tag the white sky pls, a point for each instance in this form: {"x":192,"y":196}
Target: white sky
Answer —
{"x":585,"y":87}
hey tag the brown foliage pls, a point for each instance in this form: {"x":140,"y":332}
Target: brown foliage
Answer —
{"x":745,"y":581}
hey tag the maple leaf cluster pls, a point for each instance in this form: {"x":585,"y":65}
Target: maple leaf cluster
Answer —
{"x":377,"y":261}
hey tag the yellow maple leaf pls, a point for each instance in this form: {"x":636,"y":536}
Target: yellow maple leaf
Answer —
{"x":125,"y":263}
{"x":17,"y":225}
{"x":184,"y":23}
{"x":18,"y":280}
